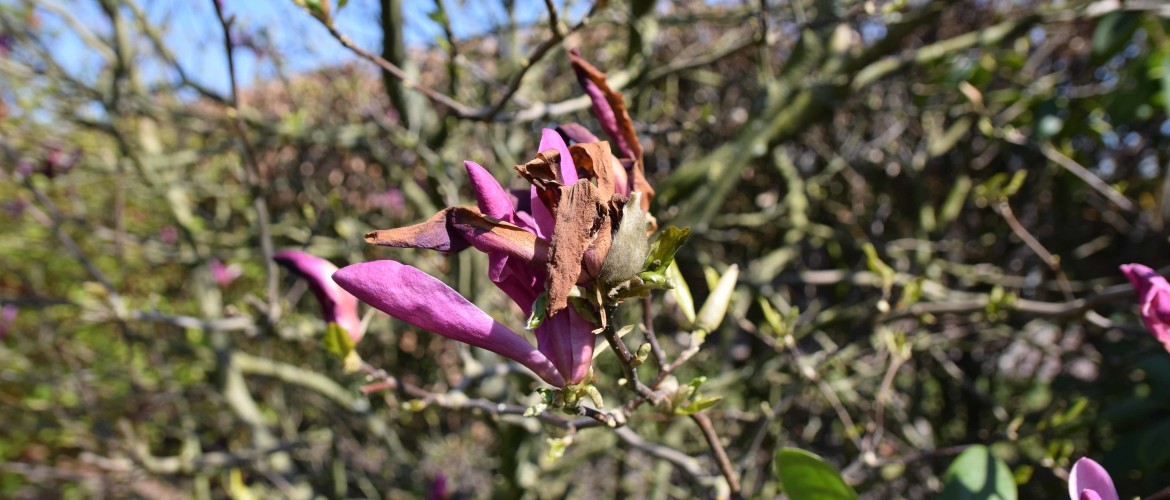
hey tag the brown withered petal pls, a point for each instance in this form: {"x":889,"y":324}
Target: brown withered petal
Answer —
{"x":628,"y":144}
{"x":595,"y":158}
{"x":580,"y":217}
{"x":544,"y":172}
{"x":455,"y":228}
{"x":431,"y":235}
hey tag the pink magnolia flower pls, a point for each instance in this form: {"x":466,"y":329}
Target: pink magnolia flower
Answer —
{"x":225,"y":274}
{"x":1154,"y":299}
{"x":548,"y":239}
{"x":1089,"y":481}
{"x":517,"y":243}
{"x":337,"y":305}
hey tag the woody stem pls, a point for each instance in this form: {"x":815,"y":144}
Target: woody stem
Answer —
{"x":625,"y":357}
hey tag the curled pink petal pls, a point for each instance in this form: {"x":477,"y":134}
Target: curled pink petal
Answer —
{"x":605,"y":114}
{"x":337,"y":305}
{"x":568,"y":340}
{"x":550,"y":139}
{"x":1087,"y":476}
{"x":1153,"y":298}
{"x":418,"y":298}
{"x":576,"y":132}
{"x":492,"y":199}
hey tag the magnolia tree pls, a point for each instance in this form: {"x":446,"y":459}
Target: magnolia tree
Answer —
{"x":798,"y":249}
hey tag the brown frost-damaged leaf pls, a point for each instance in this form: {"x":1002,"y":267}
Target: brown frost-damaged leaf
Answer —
{"x":627,"y":139}
{"x":455,"y":228}
{"x":581,"y":217}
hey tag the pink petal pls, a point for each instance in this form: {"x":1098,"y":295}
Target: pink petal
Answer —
{"x":550,"y":139}
{"x":577,"y":133}
{"x":519,"y":280}
{"x":418,"y":298}
{"x":603,"y":111}
{"x":540,"y":215}
{"x":493,"y":201}
{"x":568,"y":339}
{"x":1089,"y":476}
{"x":1153,"y":299}
{"x":337,"y":305}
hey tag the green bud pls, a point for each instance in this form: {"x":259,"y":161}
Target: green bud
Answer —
{"x":630,"y":244}
{"x":595,"y":396}
{"x":643,"y":353}
{"x":715,"y":308}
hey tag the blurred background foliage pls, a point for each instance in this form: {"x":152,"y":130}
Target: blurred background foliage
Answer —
{"x":928,"y":200}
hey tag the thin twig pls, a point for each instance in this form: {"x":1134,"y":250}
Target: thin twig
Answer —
{"x":253,"y":168}
{"x":1004,"y":209}
{"x":625,"y":357}
{"x":1109,"y":192}
{"x":725,"y":467}
{"x":651,"y":337}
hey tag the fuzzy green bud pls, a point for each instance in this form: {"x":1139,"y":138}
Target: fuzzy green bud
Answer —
{"x":630,"y":245}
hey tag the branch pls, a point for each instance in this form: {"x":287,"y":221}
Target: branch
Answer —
{"x":712,"y":438}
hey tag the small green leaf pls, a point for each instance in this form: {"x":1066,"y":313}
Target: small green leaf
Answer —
{"x":681,"y":292}
{"x":643,"y":353}
{"x":535,"y":409}
{"x":876,"y":266}
{"x":539,"y":309}
{"x":978,"y":474}
{"x":804,"y":475}
{"x":663,"y":249}
{"x":557,"y":447}
{"x":337,"y":341}
{"x":437,"y":16}
{"x":698,"y":405}
{"x":697,"y":382}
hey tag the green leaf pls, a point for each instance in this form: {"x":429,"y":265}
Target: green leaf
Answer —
{"x":1166,"y":81}
{"x":539,"y":310}
{"x":698,"y":405}
{"x":804,"y":475}
{"x":978,"y":474}
{"x":337,"y":341}
{"x":876,"y":266}
{"x":1113,"y":31}
{"x":663,"y":249}
{"x":681,"y":292}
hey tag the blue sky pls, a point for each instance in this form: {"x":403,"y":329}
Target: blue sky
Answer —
{"x":193,"y":33}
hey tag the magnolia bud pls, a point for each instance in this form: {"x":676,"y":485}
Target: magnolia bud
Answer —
{"x":713,"y":310}
{"x":630,"y":245}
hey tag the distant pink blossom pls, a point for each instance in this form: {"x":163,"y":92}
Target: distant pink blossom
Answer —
{"x":168,"y":235}
{"x":337,"y":305}
{"x":1153,"y":299}
{"x":7,"y":318}
{"x":439,"y":488}
{"x":391,"y":200}
{"x":225,"y":274}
